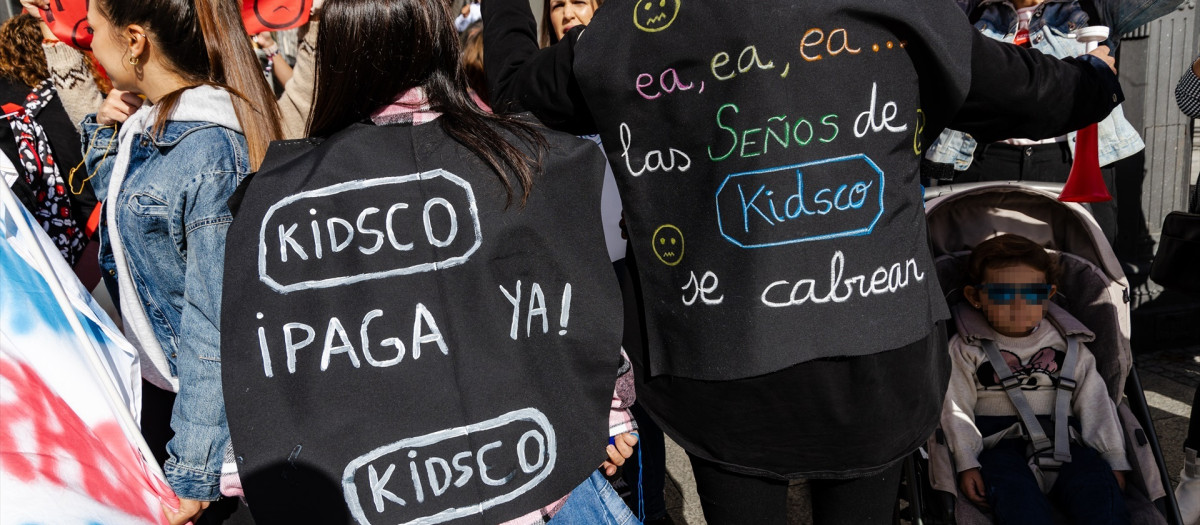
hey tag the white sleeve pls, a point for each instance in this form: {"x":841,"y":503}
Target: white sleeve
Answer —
{"x":1097,"y":414}
{"x":958,"y":411}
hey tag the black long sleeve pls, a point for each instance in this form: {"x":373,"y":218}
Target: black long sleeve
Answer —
{"x":1017,"y":92}
{"x":1014,"y":91}
{"x":522,"y":77}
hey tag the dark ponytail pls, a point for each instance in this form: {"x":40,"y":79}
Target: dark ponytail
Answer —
{"x":205,"y":42}
{"x":371,"y":51}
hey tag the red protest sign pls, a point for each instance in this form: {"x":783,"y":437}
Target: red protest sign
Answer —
{"x":68,"y":21}
{"x":274,"y":15}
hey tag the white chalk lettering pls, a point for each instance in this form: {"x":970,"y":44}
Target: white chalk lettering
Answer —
{"x":262,"y":347}
{"x":464,"y":470}
{"x":377,"y":484}
{"x":704,"y":287}
{"x":434,"y":336}
{"x":526,"y":467}
{"x":565,"y":316}
{"x":335,"y":245}
{"x":447,"y":476}
{"x":366,"y":343}
{"x":883,"y":281}
{"x":335,"y":329}
{"x":416,"y":478}
{"x":536,"y":298}
{"x":886,"y":116}
{"x":316,"y":230}
{"x":516,"y":302}
{"x":297,"y":336}
{"x":440,"y":243}
{"x":483,"y":468}
{"x":285,"y":240}
{"x":653,"y":160}
{"x":290,"y":346}
{"x":369,"y":231}
{"x":391,"y":234}
{"x":474,"y":465}
{"x":537,"y":307}
{"x":444,"y":209}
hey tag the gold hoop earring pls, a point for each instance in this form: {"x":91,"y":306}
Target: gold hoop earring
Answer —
{"x":133,"y":61}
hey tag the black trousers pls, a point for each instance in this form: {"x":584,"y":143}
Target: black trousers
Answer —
{"x":729,"y":498}
{"x":1041,"y":163}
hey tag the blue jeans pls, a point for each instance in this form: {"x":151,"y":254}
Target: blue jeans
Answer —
{"x":1086,"y":489}
{"x":594,"y":502}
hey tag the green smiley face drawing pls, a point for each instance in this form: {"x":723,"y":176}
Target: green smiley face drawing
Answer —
{"x":653,"y":16}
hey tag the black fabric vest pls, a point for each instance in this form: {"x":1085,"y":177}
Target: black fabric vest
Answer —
{"x":767,"y":154}
{"x":400,"y":347}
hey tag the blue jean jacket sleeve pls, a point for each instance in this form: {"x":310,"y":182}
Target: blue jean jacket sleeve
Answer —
{"x":99,"y":152}
{"x":1131,"y":14}
{"x":198,"y":418}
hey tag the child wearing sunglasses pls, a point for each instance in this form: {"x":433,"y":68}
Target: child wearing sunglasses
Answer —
{"x":1007,"y":313}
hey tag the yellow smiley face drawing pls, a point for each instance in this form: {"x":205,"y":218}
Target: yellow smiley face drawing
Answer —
{"x":653,"y":16}
{"x":668,"y":244}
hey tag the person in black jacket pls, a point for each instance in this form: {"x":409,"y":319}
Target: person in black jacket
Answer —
{"x":767,"y":156}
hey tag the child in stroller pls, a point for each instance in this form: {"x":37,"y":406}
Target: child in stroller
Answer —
{"x":1020,"y":369}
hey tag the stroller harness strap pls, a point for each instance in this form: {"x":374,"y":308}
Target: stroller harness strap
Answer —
{"x":1062,"y":401}
{"x":1066,"y":384}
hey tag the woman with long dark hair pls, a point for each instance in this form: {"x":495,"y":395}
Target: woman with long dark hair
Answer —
{"x":189,"y":116}
{"x":478,"y":235}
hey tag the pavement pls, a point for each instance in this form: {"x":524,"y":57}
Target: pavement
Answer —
{"x":1169,"y":379}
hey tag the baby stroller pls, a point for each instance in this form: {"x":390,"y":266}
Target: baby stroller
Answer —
{"x":1092,"y":288}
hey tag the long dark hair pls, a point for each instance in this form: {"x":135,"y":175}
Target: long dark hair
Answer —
{"x":370,"y":51}
{"x":205,"y":42}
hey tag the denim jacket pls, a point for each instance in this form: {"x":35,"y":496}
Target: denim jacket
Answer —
{"x":173,"y":218}
{"x":1051,"y":31}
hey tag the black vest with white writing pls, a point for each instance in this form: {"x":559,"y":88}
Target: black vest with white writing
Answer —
{"x":399,"y":346}
{"x":767,"y":155}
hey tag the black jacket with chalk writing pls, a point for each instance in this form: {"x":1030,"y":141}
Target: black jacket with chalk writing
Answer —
{"x":399,"y":346}
{"x":767,"y":154}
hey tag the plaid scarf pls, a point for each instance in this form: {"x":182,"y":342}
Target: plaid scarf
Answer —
{"x":411,"y":107}
{"x":38,"y":166}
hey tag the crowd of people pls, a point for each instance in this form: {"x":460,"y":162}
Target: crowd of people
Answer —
{"x":274,"y":215}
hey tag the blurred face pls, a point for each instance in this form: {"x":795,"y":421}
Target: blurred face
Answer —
{"x":112,"y":48}
{"x":1012,"y":298}
{"x":565,"y":14}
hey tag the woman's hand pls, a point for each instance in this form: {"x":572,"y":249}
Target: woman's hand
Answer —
{"x":189,"y":511}
{"x":970,"y":482}
{"x":265,"y":41}
{"x":35,"y":7}
{"x":117,"y":107}
{"x":1102,"y":53}
{"x":1120,"y":479}
{"x":618,"y":452}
